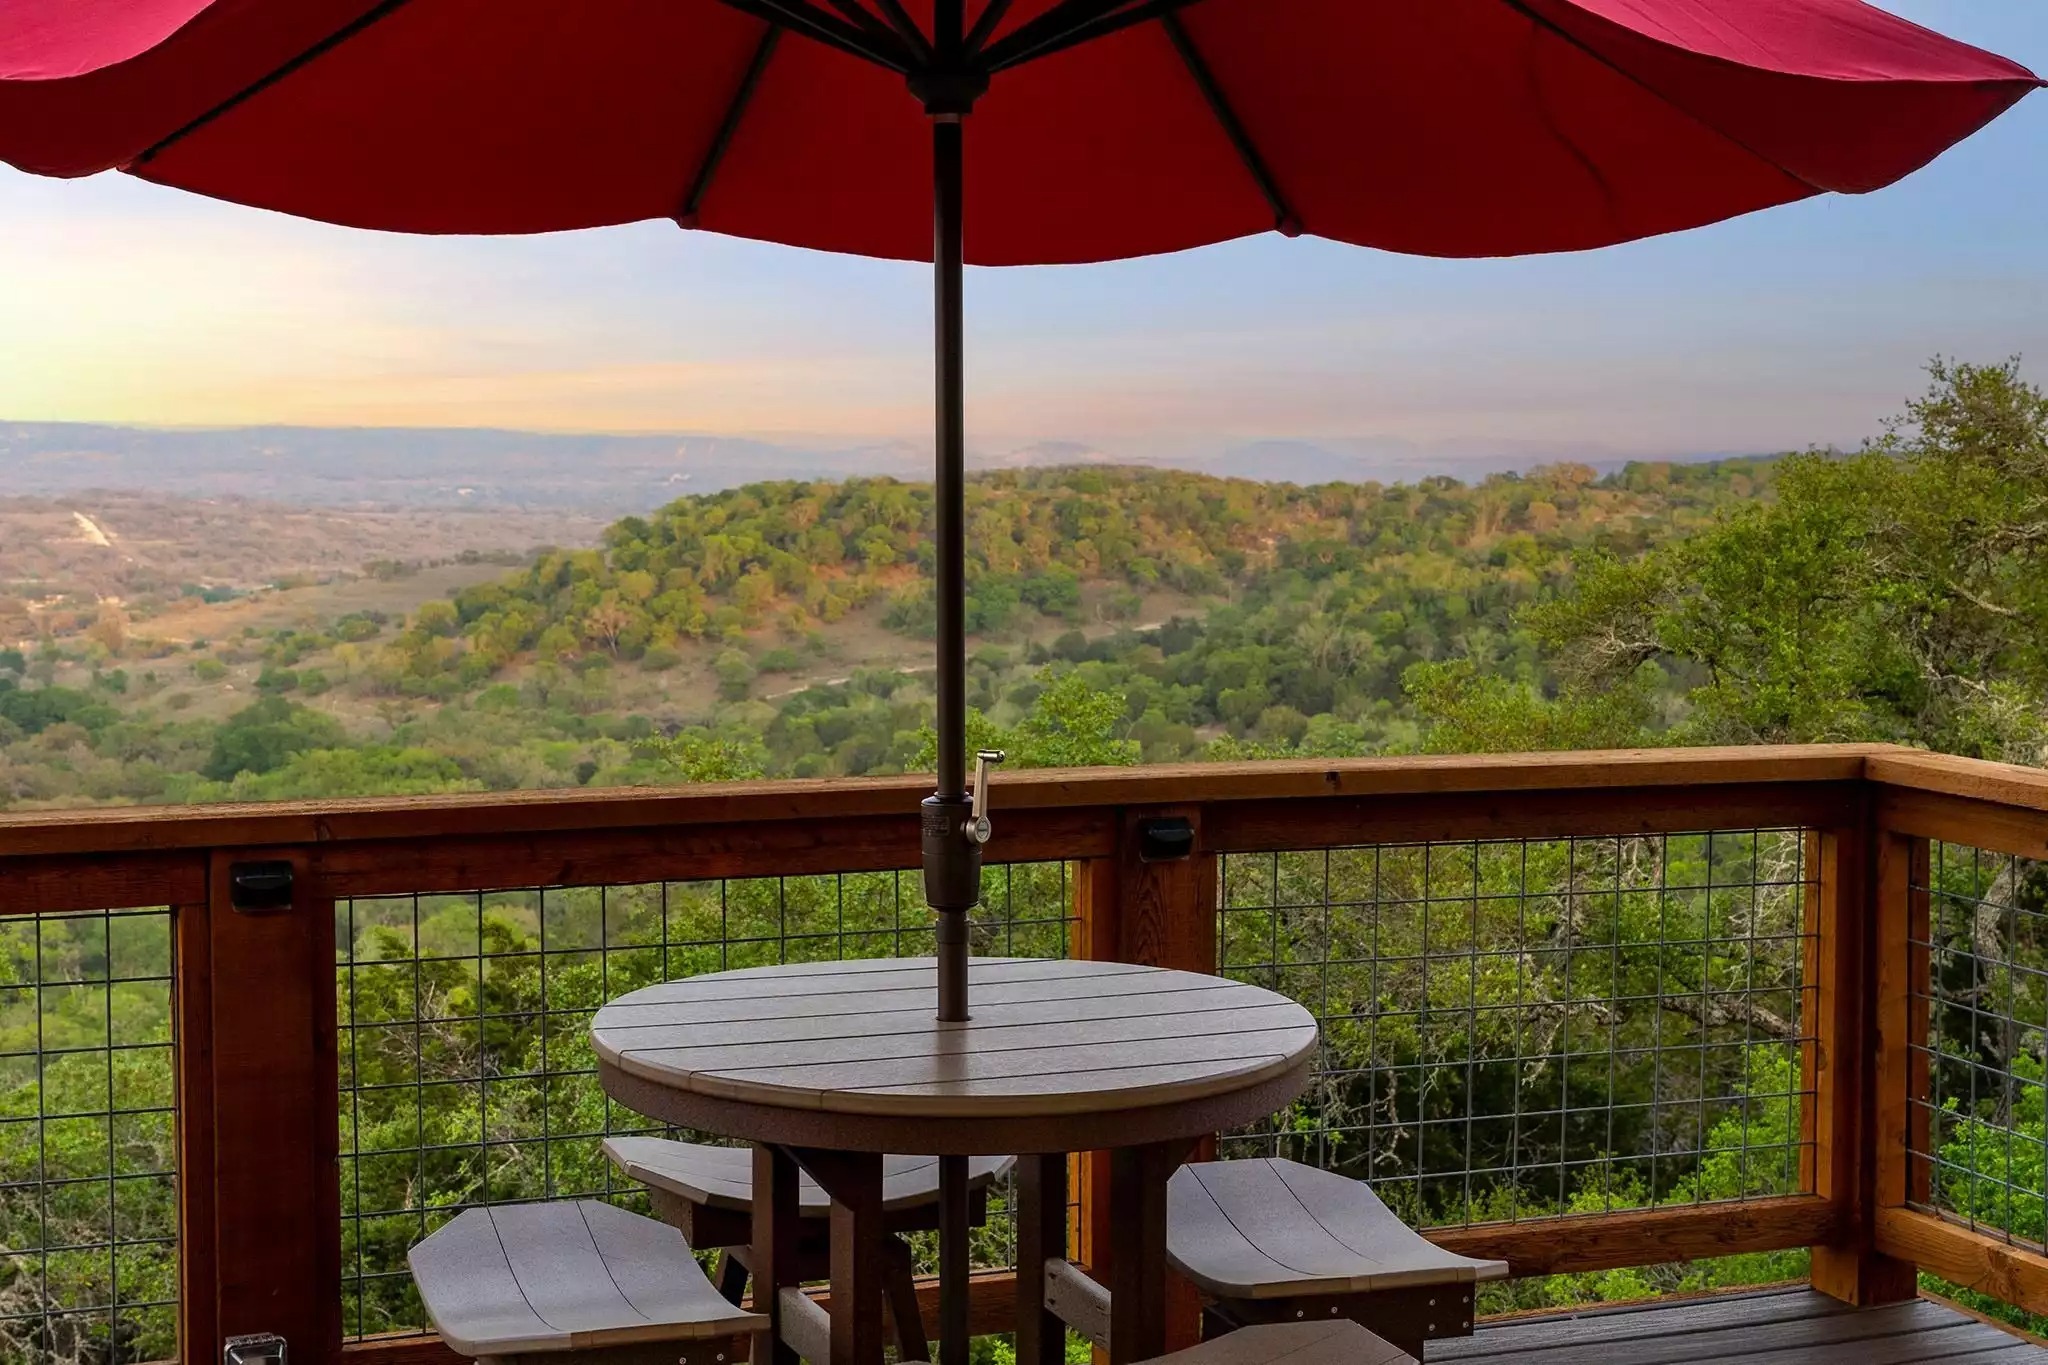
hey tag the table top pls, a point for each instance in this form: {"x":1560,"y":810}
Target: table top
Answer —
{"x":1059,"y":1056}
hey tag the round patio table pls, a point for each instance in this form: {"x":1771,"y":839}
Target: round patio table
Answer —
{"x":828,"y":1066}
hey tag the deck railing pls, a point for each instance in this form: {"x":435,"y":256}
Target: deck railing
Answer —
{"x":1581,"y":1011}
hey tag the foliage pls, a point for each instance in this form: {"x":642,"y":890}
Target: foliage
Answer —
{"x":94,"y":1106}
{"x":1069,"y":725}
{"x":1474,"y":712}
{"x":1285,"y":622}
{"x":34,"y":710}
{"x":693,"y":756}
{"x":266,"y":734}
{"x":805,"y":555}
{"x":1897,"y":594}
{"x":375,"y":770}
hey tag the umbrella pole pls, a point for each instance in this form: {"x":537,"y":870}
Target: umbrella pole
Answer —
{"x":953,"y":866}
{"x":952,"y":852}
{"x":951,"y":832}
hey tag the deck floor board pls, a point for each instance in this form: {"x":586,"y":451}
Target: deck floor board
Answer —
{"x":1773,"y":1327}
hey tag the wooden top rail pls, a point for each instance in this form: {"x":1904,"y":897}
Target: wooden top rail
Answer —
{"x":108,"y":858}
{"x":2004,"y":784}
{"x":137,"y":829}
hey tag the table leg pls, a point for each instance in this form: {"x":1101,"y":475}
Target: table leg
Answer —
{"x":904,"y":1309}
{"x":955,"y":1260}
{"x":1041,"y":1234}
{"x":774,"y":1252}
{"x":1137,"y":1263}
{"x":860,"y":1252}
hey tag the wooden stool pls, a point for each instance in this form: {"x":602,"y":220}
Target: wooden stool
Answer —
{"x":1277,"y":1241}
{"x":707,"y":1193}
{"x":540,"y":1284}
{"x":1294,"y":1343}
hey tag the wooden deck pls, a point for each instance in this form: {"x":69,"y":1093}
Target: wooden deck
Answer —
{"x":1776,"y":1327}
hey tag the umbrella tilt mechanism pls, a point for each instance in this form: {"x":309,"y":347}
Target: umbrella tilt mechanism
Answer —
{"x":955,"y":830}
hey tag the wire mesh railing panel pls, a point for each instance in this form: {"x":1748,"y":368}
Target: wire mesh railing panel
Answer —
{"x":1518,"y":1029}
{"x":467,"y":1076}
{"x":88,"y":1149}
{"x":1976,"y":1136}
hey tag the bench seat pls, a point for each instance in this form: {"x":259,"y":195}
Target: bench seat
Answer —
{"x":572,"y":1280}
{"x":1268,"y":1229}
{"x":1276,"y":1241}
{"x":1293,"y":1343}
{"x":723,"y":1177}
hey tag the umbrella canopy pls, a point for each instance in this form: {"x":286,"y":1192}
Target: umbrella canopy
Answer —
{"x":1110,"y":128}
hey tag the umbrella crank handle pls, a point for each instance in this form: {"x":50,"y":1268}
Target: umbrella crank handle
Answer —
{"x":978,"y":829}
{"x":953,"y":830}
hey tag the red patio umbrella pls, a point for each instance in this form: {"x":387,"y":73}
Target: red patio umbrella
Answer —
{"x":1102,"y":129}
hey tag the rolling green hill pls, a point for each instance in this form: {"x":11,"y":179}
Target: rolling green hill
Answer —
{"x":784,"y":628}
{"x":795,"y":557}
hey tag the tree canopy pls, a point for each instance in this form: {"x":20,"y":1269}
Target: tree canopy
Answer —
{"x":1900,"y":593}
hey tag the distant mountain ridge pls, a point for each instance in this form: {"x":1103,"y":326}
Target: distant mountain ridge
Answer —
{"x":616,"y":474}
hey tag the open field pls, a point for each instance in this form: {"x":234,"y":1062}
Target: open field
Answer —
{"x":307,"y":605}
{"x":113,"y":543}
{"x":61,"y":559}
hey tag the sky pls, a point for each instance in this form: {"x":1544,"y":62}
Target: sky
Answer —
{"x":124,"y":302}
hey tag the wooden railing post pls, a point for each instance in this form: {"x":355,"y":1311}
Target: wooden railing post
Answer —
{"x":199,"y":1334}
{"x":1856,"y":990}
{"x":1904,"y":986}
{"x":1097,"y":889}
{"x":258,"y":1131}
{"x":1155,"y":914}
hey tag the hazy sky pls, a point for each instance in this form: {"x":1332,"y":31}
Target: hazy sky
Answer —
{"x":123,"y":302}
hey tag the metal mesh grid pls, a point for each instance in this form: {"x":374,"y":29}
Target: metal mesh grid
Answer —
{"x":88,"y":1151}
{"x":466,"y":1071}
{"x":1516,"y":1029}
{"x":1977,"y":1139}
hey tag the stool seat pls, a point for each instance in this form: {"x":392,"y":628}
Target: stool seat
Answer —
{"x":567,"y":1278}
{"x":1293,"y":1343}
{"x":1269,"y":1229}
{"x":723,"y":1177}
{"x":708,"y":1194}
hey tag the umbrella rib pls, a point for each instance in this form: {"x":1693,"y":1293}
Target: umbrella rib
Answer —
{"x":1233,"y":127}
{"x":800,"y":16}
{"x":256,"y":87}
{"x":991,"y":14}
{"x":906,"y":27}
{"x":874,"y":25}
{"x":1059,"y":23}
{"x":1020,"y":47}
{"x":1557,"y":30}
{"x":721,"y":142}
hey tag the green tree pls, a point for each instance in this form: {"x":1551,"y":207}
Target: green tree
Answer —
{"x":697,"y":756}
{"x":735,"y":674}
{"x":1897,"y":594}
{"x":1474,"y":712}
{"x":265,"y":735}
{"x":376,"y":770}
{"x":1070,"y":725}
